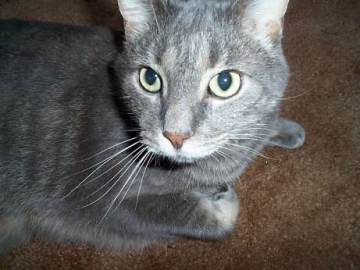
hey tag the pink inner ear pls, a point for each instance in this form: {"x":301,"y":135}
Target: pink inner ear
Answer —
{"x":273,"y":29}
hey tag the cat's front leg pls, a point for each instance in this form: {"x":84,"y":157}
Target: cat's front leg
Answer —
{"x":210,"y":214}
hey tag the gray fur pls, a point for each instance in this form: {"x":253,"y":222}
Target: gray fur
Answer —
{"x":68,"y":93}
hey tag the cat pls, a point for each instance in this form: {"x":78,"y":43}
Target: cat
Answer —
{"x":127,"y":140}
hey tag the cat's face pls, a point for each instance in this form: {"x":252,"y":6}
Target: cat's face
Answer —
{"x":198,"y":79}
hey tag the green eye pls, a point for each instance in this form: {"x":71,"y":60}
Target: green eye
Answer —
{"x":150,"y":80}
{"x":226,"y":84}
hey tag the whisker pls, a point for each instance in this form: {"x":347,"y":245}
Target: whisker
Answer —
{"x":251,"y":151}
{"x":103,"y":163}
{"x":142,"y":178}
{"x":137,"y":170}
{"x":108,"y":170}
{"x":249,"y":135}
{"x":89,"y":168}
{"x":236,"y":152}
{"x":84,"y":170}
{"x":109,"y":148}
{"x":226,"y":157}
{"x":255,"y":139}
{"x":126,"y":168}
{"x":253,"y":128}
{"x":213,"y":155}
{"x":118,"y":194}
{"x":222,"y":154}
{"x":122,"y":160}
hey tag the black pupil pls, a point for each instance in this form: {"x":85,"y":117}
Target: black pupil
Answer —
{"x":224,"y":80}
{"x":150,"y":76}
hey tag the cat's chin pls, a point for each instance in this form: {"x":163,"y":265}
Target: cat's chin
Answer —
{"x":182,"y":160}
{"x":178,"y":157}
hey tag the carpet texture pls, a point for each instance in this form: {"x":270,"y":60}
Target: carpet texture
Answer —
{"x":300,"y":209}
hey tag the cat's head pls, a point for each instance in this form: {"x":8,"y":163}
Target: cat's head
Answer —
{"x":199,"y":75}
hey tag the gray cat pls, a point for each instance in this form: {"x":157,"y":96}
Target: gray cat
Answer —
{"x":123,"y":143}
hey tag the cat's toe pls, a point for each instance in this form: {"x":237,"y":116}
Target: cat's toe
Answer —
{"x":221,"y":210}
{"x":225,"y":208}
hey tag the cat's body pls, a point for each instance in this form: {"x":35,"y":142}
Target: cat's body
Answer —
{"x":79,"y":158}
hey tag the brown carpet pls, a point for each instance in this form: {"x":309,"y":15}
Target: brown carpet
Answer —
{"x":300,"y":210}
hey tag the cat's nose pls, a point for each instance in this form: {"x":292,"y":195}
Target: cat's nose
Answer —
{"x":177,"y":139}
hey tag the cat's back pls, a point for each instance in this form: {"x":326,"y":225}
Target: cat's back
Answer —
{"x":22,"y":40}
{"x":49,"y":74}
{"x":40,"y":61}
{"x":35,"y":53}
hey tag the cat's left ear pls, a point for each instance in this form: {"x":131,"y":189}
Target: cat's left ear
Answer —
{"x":139,"y":14}
{"x":264,"y":20}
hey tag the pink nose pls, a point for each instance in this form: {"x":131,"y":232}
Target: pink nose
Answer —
{"x":177,"y":140}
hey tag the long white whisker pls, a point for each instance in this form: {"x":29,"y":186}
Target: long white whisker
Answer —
{"x":142,"y":178}
{"x":213,"y":155}
{"x":109,"y":148}
{"x":137,"y":170}
{"x":103,"y":163}
{"x":255,"y":136}
{"x":87,"y":169}
{"x":255,"y":139}
{"x":126,"y":168}
{"x":118,"y":194}
{"x":231,"y":158}
{"x":236,"y":152}
{"x":249,"y":134}
{"x":251,"y":151}
{"x":108,"y":170}
{"x":254,"y":128}
{"x":224,"y":155}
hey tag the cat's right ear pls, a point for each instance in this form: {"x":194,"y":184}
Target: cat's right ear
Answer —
{"x":263,"y":19}
{"x":139,"y":14}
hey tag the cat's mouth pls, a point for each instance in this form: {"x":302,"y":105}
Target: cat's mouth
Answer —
{"x":178,"y":157}
{"x":188,"y":153}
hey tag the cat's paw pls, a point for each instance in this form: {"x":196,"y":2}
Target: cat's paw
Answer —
{"x":289,"y":135}
{"x":219,"y":212}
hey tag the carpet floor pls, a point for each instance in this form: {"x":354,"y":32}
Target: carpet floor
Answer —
{"x":300,"y":209}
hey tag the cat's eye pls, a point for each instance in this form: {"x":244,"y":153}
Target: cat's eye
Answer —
{"x":150,"y":80}
{"x":226,"y":84}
